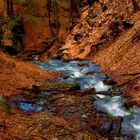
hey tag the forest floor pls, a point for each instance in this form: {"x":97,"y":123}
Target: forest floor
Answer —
{"x":15,"y":77}
{"x":107,"y":34}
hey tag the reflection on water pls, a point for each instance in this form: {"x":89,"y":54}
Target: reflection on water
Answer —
{"x":30,"y":107}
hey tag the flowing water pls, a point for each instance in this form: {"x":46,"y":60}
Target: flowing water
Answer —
{"x":109,"y":104}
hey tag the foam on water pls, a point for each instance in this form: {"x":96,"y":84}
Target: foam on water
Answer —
{"x":131,"y":124}
{"x":100,"y":86}
{"x":114,"y":106}
{"x":111,"y":105}
{"x":82,"y":72}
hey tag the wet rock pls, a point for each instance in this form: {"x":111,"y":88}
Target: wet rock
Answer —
{"x":11,"y":50}
{"x":109,"y":82}
{"x":35,"y":89}
{"x":73,"y":86}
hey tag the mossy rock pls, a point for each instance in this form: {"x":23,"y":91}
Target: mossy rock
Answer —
{"x":73,"y":86}
{"x":109,"y":82}
{"x":63,"y":86}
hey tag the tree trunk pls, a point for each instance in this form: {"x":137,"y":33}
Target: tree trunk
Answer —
{"x":49,"y":15}
{"x":135,"y":6}
{"x":56,"y":14}
{"x":8,"y":7}
{"x":10,"y":11}
{"x":74,"y":9}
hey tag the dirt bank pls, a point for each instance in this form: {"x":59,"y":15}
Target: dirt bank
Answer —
{"x":18,"y":74}
{"x":109,"y":35}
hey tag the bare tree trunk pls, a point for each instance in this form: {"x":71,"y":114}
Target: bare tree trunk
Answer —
{"x":5,"y":8}
{"x":74,"y":9}
{"x":8,"y":7}
{"x":135,"y":6}
{"x":49,"y":15}
{"x":1,"y":35}
{"x":10,"y":11}
{"x":56,"y":11}
{"x":3,"y":14}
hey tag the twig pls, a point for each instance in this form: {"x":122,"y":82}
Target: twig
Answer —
{"x":130,"y":74}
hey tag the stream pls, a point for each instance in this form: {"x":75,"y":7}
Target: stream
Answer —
{"x":113,"y":116}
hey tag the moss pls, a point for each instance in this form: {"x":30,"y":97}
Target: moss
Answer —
{"x":19,"y":1}
{"x":36,"y":20}
{"x":12,"y":21}
{"x":63,"y":86}
{"x":5,"y":106}
{"x":30,"y":2}
{"x":15,"y":25}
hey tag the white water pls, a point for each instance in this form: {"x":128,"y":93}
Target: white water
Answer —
{"x":79,"y":72}
{"x":111,"y":105}
{"x":131,"y":124}
{"x":85,"y":74}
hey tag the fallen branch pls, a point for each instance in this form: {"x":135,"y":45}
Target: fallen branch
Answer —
{"x":130,"y":74}
{"x":36,"y":90}
{"x":127,"y":82}
{"x":40,"y":90}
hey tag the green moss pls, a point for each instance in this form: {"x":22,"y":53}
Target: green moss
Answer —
{"x":31,"y":6}
{"x":5,"y":106}
{"x":63,"y":86}
{"x":30,"y":2}
{"x":19,"y":1}
{"x":36,"y":20}
{"x":12,"y":21}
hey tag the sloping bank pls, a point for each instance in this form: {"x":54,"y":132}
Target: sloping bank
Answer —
{"x":109,"y":35}
{"x":16,"y":74}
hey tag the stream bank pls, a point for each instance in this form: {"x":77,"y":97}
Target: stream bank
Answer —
{"x":111,"y":39}
{"x":16,"y":124}
{"x":108,"y":34}
{"x":84,"y":95}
